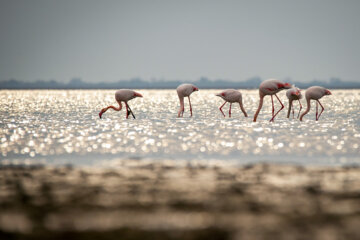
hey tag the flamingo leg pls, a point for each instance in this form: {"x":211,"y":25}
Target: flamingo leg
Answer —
{"x":316,"y":116}
{"x":190,"y":107}
{"x":299,"y":109}
{"x":282,"y":106}
{"x":182,"y":111}
{"x":230,"y":110}
{"x":273,"y":108}
{"x":292,"y":106}
{"x":322,"y":109}
{"x":221,"y":109}
{"x":129,"y":111}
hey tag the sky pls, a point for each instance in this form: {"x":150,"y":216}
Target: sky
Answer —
{"x":106,"y":41}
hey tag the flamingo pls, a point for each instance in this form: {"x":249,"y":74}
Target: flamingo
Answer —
{"x":315,"y":93}
{"x":271,"y":87}
{"x":122,"y":95}
{"x":184,"y":90}
{"x":231,"y":96}
{"x":293,"y":94}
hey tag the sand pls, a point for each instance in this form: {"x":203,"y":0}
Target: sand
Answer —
{"x":163,"y":201}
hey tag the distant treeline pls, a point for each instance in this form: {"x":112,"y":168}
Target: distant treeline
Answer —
{"x":138,"y":83}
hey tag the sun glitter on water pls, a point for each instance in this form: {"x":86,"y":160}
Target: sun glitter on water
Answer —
{"x":58,"y":126}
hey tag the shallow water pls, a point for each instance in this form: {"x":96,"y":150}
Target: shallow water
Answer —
{"x":63,"y":127}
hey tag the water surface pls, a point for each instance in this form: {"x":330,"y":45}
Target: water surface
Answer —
{"x":62,"y":126}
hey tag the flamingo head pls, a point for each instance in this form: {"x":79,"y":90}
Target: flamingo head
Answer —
{"x":284,"y":85}
{"x":296,"y":93}
{"x":101,"y":112}
{"x":136,"y":94}
{"x":195,"y":89}
{"x":287,"y":85}
{"x":220,"y":94}
{"x":327,"y":92}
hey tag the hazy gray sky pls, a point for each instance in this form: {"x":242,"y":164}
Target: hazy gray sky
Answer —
{"x":235,"y":40}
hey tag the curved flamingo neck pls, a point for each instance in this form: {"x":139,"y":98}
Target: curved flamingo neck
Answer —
{"x":115,"y":108}
{"x":260,"y":106}
{"x":242,"y":109}
{"x":112,"y":107}
{"x":181,"y":98}
{"x":105,"y":109}
{"x":307,"y":109}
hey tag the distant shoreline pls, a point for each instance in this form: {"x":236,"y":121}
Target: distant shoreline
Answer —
{"x":148,"y":88}
{"x":136,"y":83}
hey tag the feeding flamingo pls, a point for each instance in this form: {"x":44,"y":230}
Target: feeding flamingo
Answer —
{"x":293,"y":94}
{"x":122,"y":95}
{"x":231,"y":96}
{"x":271,"y":87}
{"x":184,"y":90}
{"x":315,"y":93}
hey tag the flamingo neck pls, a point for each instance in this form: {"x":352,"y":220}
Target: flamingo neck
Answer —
{"x":288,"y":114}
{"x":242,"y":108}
{"x":260,"y":106}
{"x":307,"y":109}
{"x":181,"y":102}
{"x":116,"y":108}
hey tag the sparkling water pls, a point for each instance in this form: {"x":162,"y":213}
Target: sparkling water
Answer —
{"x":63,"y":127}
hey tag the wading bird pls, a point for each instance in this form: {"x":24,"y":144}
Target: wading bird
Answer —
{"x":184,"y":90}
{"x":271,"y":87}
{"x":122,"y":95}
{"x":293,"y":94}
{"x":315,"y":93}
{"x":231,"y":96}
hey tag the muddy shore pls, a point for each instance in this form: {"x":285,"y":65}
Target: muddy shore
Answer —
{"x":162,"y":201}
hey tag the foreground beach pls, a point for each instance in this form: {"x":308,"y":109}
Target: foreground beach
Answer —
{"x":146,"y":200}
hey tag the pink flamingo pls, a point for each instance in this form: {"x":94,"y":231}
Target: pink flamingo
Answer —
{"x":231,"y":96}
{"x":184,"y":90}
{"x":271,"y":87}
{"x":122,"y":95}
{"x":315,"y":93}
{"x":293,"y":94}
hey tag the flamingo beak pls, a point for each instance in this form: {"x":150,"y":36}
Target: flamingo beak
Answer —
{"x":101,"y":113}
{"x":218,"y":95}
{"x":136,"y":94}
{"x":196,"y":89}
{"x":328,"y":92}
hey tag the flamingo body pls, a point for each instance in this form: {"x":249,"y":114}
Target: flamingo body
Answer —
{"x":231,"y":96}
{"x":314,"y":93}
{"x":122,"y":95}
{"x":185,"y":90}
{"x":293,"y":94}
{"x":271,"y":87}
